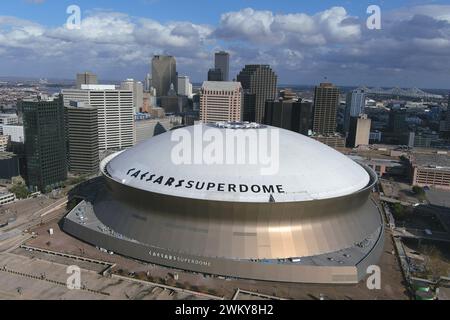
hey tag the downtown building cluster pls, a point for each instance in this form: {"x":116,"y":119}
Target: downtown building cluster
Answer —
{"x":100,"y":118}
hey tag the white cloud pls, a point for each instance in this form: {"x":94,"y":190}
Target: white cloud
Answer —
{"x":333,"y":25}
{"x":301,"y":47}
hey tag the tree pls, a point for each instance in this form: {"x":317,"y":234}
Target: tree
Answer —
{"x":418,"y":190}
{"x":20,"y":189}
{"x":48,"y":189}
{"x":398,"y":211}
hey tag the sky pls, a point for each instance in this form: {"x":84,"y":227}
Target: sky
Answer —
{"x":304,"y":41}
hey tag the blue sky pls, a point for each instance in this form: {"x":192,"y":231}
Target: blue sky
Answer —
{"x":304,"y":41}
{"x":52,"y":12}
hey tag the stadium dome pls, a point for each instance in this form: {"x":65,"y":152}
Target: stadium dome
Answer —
{"x":299,"y":211}
{"x":306,"y":169}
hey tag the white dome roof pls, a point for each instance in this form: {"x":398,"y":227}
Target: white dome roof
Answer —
{"x":304,"y":169}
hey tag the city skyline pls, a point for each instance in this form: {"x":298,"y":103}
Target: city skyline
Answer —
{"x":302,"y":42}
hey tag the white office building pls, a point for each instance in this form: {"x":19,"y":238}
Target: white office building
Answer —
{"x":115,"y":113}
{"x":184,"y":86}
{"x":8,"y":118}
{"x":14,"y":132}
{"x":355,"y":103}
{"x":138,"y":92}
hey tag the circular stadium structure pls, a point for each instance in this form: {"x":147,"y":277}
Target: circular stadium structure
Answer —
{"x":308,"y":219}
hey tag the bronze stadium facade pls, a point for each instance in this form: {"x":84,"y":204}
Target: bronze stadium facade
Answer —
{"x":313,"y":221}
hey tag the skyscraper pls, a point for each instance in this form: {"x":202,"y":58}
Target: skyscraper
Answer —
{"x":184,"y":86}
{"x":289,"y":114}
{"x":115,"y":113}
{"x":171,"y":102}
{"x":222,"y":62}
{"x":45,"y":142}
{"x":215,"y":74}
{"x":148,"y":82}
{"x":326,"y":101}
{"x":259,"y":79}
{"x":138,"y":93}
{"x":220,"y":101}
{"x":397,"y":121}
{"x":249,"y":107}
{"x":355,"y":103}
{"x":359,"y":132}
{"x":445,"y":123}
{"x":164,"y":73}
{"x":82,"y":138}
{"x":86,"y":78}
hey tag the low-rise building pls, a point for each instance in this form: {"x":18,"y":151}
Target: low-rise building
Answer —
{"x":15,"y":132}
{"x":4,"y":143}
{"x":147,"y":128}
{"x":9,"y":165}
{"x":386,"y":167}
{"x":7,"y":197}
{"x":431,"y":169}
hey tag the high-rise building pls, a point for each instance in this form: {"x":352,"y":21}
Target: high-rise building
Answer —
{"x":115,"y":113}
{"x":171,"y":102}
{"x":138,"y":93}
{"x":249,"y":107}
{"x":215,"y":75}
{"x":221,"y":101}
{"x":164,"y":73}
{"x":82,"y":138}
{"x":86,"y":78}
{"x":397,"y":121}
{"x":355,"y":103}
{"x":259,"y":79}
{"x":184,"y":86}
{"x":326,"y":101}
{"x":444,"y":127}
{"x":222,"y":62}
{"x":149,"y":102}
{"x":45,"y":142}
{"x":359,"y":131}
{"x":148,"y":82}
{"x":289,"y":114}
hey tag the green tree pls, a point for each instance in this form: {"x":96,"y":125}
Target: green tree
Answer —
{"x":20,"y":189}
{"x":398,"y":211}
{"x":418,"y":190}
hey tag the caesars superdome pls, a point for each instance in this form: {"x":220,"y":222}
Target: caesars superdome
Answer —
{"x":283,"y":207}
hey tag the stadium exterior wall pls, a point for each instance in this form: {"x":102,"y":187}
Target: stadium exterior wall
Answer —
{"x":226,"y":267}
